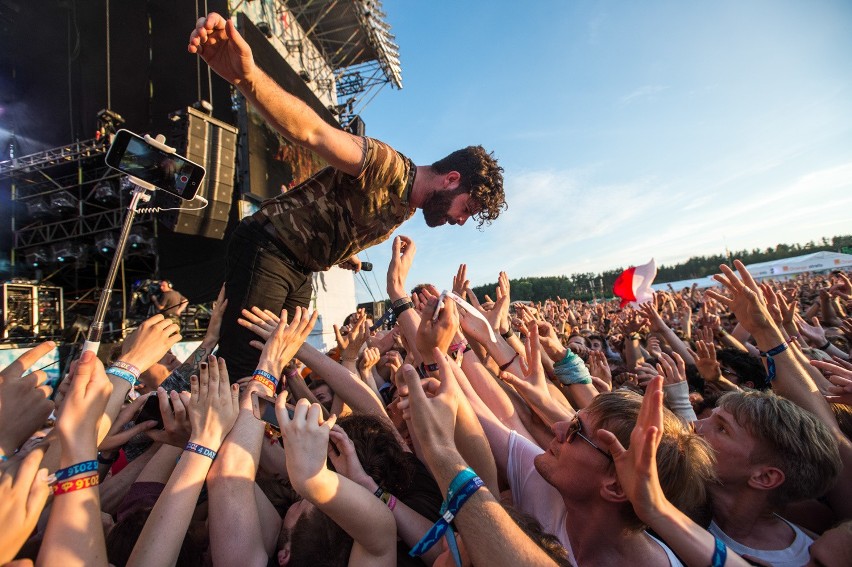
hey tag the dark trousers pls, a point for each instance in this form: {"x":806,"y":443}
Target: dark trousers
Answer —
{"x":258,"y":274}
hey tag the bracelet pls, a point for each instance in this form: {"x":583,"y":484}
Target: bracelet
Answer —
{"x":127,"y":366}
{"x":401,"y":301}
{"x":826,"y":345}
{"x":464,"y":485}
{"x":770,"y":362}
{"x":74,"y":470}
{"x":76,"y":484}
{"x":460,"y":346}
{"x":200,"y":449}
{"x":265,"y":378}
{"x":378,"y":492}
{"x":508,"y":333}
{"x":125,"y":375}
{"x":391,"y":502}
{"x":503,"y":367}
{"x":106,"y":461}
{"x":399,"y":309}
{"x":720,"y":553}
{"x":3,"y":458}
{"x":426,"y":368}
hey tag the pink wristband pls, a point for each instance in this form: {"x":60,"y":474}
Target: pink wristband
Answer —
{"x":392,"y":502}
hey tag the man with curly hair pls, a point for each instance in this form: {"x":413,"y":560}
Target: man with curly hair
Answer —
{"x":366,"y":192}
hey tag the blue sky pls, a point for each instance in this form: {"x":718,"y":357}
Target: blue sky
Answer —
{"x":627,"y":130}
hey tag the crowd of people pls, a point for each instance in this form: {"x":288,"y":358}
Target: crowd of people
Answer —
{"x":703,"y":427}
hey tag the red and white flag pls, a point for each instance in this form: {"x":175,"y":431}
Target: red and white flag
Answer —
{"x":634,"y":284}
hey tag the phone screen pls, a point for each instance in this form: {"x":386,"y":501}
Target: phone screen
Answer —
{"x":263,"y":408}
{"x":131,"y":154}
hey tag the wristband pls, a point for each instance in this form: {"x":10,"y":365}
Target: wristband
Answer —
{"x":201,"y":450}
{"x":125,"y":375}
{"x":391,"y":502}
{"x":503,"y":367}
{"x":378,"y":492}
{"x":770,"y":362}
{"x":76,"y":484}
{"x":399,"y":309}
{"x":571,"y":370}
{"x":826,"y":345}
{"x":106,"y":461}
{"x":265,"y":378}
{"x":127,"y":366}
{"x":461,"y":489}
{"x":426,"y":368}
{"x":74,"y":470}
{"x":3,"y":458}
{"x":401,"y":301}
{"x":720,"y":553}
{"x":508,"y":333}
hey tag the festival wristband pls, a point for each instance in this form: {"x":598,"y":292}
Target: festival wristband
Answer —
{"x":455,"y":501}
{"x":503,"y":367}
{"x":391,"y":503}
{"x":571,"y":370}
{"x":127,"y":366}
{"x":399,"y":309}
{"x":125,"y":375}
{"x":770,"y":362}
{"x":76,"y":484}
{"x":265,"y":378}
{"x":200,"y":449}
{"x":401,"y":301}
{"x":74,"y":470}
{"x":720,"y":553}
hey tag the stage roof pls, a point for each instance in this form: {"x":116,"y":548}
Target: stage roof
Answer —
{"x":349,"y":33}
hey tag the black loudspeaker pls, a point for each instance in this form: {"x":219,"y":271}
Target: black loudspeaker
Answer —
{"x":212,"y":144}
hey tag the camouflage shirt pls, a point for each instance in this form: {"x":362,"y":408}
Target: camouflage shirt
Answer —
{"x":331,"y":216}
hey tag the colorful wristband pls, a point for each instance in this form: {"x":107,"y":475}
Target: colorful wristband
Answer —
{"x":127,"y":366}
{"x":265,"y":378}
{"x":461,"y":489}
{"x":76,"y":484}
{"x":391,"y":502}
{"x":125,"y":375}
{"x":74,"y":470}
{"x":3,"y":458}
{"x":200,"y":449}
{"x":770,"y":362}
{"x":720,"y":553}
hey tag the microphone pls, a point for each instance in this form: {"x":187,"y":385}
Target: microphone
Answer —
{"x":366,"y":266}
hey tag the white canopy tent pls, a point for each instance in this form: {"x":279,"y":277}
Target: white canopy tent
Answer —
{"x":777,"y":269}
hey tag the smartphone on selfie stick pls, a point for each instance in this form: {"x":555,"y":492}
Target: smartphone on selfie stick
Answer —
{"x":150,"y":165}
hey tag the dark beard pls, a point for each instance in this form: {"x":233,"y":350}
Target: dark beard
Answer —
{"x":436,"y":207}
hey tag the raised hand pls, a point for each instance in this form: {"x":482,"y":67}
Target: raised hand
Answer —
{"x":118,"y":435}
{"x":305,"y":439}
{"x":359,"y":331}
{"x":83,"y":407}
{"x":23,"y":493}
{"x":283,"y":344}
{"x":671,"y":368}
{"x":840,"y":391}
{"x":369,"y":358}
{"x":653,"y":317}
{"x":438,"y":333}
{"x":460,"y":281}
{"x":261,"y":322}
{"x":433,"y":418}
{"x":814,"y":334}
{"x":705,"y":360}
{"x":637,"y":466}
{"x":147,"y":344}
{"x":212,"y":405}
{"x":653,"y":346}
{"x":24,"y":406}
{"x":177,"y":428}
{"x":341,"y":453}
{"x":746,"y":301}
{"x":214,"y":327}
{"x":401,"y":259}
{"x":599,"y":367}
{"x":217,"y":41}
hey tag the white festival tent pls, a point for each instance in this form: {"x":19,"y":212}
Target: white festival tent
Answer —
{"x":776,"y":269}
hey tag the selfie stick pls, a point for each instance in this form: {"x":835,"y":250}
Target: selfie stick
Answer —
{"x":140,"y":189}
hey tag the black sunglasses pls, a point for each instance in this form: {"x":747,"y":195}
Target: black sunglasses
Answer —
{"x":576,"y":430}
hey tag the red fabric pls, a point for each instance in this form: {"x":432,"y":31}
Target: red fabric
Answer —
{"x":624,"y":288}
{"x":120,"y":463}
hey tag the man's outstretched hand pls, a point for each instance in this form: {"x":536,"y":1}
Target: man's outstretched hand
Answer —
{"x":219,"y":43}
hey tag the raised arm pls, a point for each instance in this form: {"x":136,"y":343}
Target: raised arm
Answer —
{"x":217,"y":41}
{"x":212,"y":406}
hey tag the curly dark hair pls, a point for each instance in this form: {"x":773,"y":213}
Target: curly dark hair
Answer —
{"x":481,"y":177}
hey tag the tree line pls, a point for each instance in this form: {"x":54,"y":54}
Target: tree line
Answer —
{"x":589,"y":286}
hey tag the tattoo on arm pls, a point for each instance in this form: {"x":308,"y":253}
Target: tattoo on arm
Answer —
{"x":179,"y":378}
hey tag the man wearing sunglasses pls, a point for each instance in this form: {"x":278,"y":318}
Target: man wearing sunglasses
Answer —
{"x":572,"y":488}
